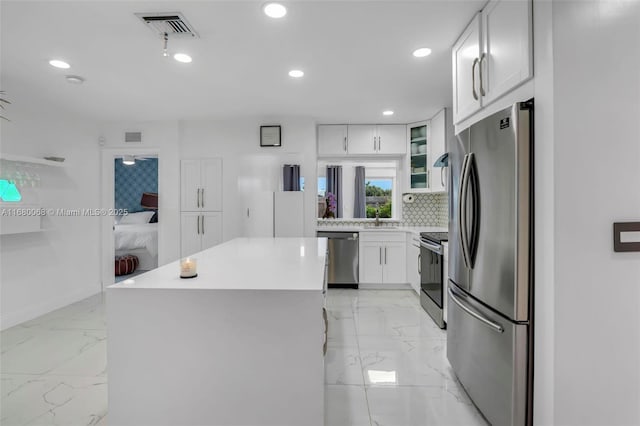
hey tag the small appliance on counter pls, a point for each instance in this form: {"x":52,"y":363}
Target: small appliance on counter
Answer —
{"x":432,"y":285}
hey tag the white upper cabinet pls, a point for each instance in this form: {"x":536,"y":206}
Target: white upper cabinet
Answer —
{"x":361,"y":139}
{"x":506,"y":57}
{"x":492,"y":56}
{"x":465,"y":58}
{"x":332,"y":139}
{"x":391,"y":139}
{"x":201,"y":184}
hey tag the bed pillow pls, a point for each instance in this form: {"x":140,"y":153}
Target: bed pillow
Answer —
{"x":136,"y":218}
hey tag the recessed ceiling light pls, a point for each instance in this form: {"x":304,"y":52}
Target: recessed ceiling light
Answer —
{"x":296,"y":73}
{"x":274,"y":10}
{"x":182,"y":57}
{"x":387,"y":112}
{"x":74,"y":79}
{"x":422,"y":52}
{"x":59,"y":64}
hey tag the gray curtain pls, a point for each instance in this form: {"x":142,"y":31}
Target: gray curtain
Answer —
{"x":334,"y":186}
{"x":359,"y":200}
{"x":291,"y":177}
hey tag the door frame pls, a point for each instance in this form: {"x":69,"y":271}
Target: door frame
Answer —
{"x":107,"y":194}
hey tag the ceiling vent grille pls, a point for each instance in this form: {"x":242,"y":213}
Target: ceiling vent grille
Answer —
{"x":173,"y":24}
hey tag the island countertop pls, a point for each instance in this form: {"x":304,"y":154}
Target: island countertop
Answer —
{"x":245,"y":264}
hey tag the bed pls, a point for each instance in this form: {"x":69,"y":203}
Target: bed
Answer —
{"x":140,"y":240}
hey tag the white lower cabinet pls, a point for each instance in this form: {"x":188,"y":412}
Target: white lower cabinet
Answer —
{"x":413,"y":262}
{"x":382,"y":258}
{"x":200,"y":231}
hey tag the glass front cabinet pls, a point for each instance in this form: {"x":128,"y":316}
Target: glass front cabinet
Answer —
{"x":418,"y":135}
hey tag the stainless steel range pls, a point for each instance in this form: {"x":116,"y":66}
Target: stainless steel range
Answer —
{"x":432,"y":285}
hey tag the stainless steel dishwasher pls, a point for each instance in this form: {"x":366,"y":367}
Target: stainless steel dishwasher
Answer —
{"x":343,"y":259}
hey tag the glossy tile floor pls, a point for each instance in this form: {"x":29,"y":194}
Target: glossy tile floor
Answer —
{"x":385,"y":365}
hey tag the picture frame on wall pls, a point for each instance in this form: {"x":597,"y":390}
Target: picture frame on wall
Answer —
{"x":270,"y":136}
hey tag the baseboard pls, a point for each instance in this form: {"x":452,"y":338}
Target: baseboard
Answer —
{"x":385,"y":286}
{"x":15,"y":318}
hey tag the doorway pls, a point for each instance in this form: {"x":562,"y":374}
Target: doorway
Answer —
{"x":131,"y":194}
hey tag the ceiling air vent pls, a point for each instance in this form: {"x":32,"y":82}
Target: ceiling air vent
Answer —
{"x":172,"y":24}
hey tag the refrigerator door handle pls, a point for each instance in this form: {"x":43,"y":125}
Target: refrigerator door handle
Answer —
{"x":462,"y":211}
{"x":472,"y":237}
{"x":495,"y":326}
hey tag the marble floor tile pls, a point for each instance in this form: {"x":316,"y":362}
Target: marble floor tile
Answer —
{"x":401,"y":321}
{"x":340,"y":323}
{"x":52,"y":400}
{"x":404,"y":361}
{"x":419,"y":406}
{"x":346,"y":406}
{"x":48,"y":350}
{"x":342,"y":363}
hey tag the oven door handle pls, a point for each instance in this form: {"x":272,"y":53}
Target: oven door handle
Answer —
{"x":429,"y":246}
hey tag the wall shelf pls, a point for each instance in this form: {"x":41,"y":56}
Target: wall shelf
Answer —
{"x":30,"y":160}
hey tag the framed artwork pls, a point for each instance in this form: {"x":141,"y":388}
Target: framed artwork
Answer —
{"x":270,"y":136}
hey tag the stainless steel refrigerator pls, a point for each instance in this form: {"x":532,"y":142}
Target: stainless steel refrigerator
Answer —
{"x":490,"y":289}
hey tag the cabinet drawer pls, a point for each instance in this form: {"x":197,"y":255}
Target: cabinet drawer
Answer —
{"x":382,"y":236}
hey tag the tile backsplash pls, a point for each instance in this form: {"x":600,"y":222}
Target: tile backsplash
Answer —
{"x":426,"y":210}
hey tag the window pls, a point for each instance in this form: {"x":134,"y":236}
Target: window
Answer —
{"x":379,"y":197}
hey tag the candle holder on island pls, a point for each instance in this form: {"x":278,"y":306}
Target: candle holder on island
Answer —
{"x":188,"y":267}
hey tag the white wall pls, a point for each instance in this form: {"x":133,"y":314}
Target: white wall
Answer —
{"x":46,"y":270}
{"x":594,"y":132}
{"x":249,"y":168}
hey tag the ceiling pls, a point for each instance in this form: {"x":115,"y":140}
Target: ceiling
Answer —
{"x":356,"y":56}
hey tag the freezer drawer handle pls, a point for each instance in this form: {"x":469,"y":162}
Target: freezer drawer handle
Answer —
{"x":460,"y":303}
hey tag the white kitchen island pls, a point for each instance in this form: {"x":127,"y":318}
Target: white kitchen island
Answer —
{"x":241,"y":344}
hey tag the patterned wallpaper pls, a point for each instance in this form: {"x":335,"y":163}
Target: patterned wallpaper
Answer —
{"x":132,"y":181}
{"x":426,"y":210}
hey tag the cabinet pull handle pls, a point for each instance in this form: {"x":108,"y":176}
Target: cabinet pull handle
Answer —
{"x":419,"y":264}
{"x":379,"y":142}
{"x":248,"y":213}
{"x":202,"y":218}
{"x":198,"y":220}
{"x":473,"y":78}
{"x":345,"y":144}
{"x":385,"y":255}
{"x":374,"y":143}
{"x":380,"y":256}
{"x":202,"y":202}
{"x":482,"y":58}
{"x":198,"y":197}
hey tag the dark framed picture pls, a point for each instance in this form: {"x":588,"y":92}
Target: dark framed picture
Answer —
{"x":270,"y":136}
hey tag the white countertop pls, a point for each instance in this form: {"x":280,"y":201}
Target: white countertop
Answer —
{"x":411,"y":229}
{"x":245,"y":264}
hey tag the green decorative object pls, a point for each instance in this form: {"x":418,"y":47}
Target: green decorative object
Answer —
{"x":9,"y":191}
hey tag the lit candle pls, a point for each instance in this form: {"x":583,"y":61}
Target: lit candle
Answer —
{"x":188,"y":268}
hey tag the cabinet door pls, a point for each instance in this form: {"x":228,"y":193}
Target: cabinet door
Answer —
{"x":189,"y":185}
{"x":418,"y":167}
{"x":466,"y":53}
{"x":413,"y":271}
{"x":361,"y":140}
{"x":506,"y":59}
{"x":392,"y":139}
{"x":332,"y":140}
{"x":211,"y":184}
{"x":371,"y":263}
{"x":394,"y":259}
{"x":211,"y":229}
{"x":437,"y":148}
{"x":190,"y":233}
{"x":258,"y":215}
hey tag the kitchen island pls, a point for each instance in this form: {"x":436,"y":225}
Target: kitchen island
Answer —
{"x":240,"y":344}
